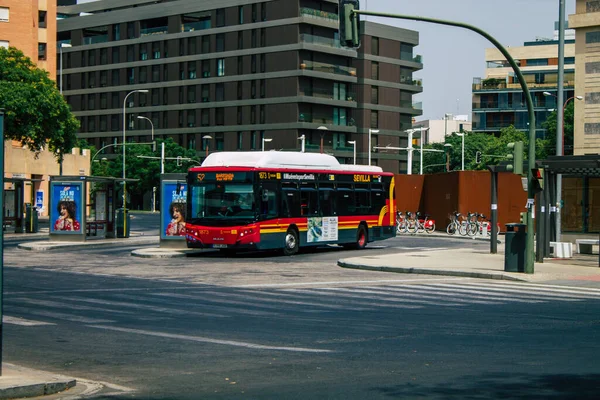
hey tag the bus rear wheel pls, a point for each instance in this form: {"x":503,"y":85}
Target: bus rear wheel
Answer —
{"x":361,"y":238}
{"x":291,"y":243}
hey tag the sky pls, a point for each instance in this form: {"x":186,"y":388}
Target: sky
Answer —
{"x":453,"y":56}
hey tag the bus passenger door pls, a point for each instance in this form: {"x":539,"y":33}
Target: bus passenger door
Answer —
{"x":268,"y":204}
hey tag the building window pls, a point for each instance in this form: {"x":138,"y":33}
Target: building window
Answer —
{"x":239,"y":90}
{"x":240,"y":15}
{"x":262,"y":114}
{"x":374,"y":70}
{"x":192,"y":70}
{"x":191,"y":94}
{"x":181,"y":71}
{"x":592,"y":128}
{"x":4,"y":14}
{"x":191,"y":118}
{"x":103,"y":79}
{"x":592,"y":98}
{"x":253,"y":38}
{"x":155,"y":73}
{"x":191,"y":145}
{"x":156,"y":51}
{"x":240,"y":140}
{"x":181,"y":47}
{"x":240,"y":65}
{"x":263,"y":11}
{"x":205,"y":93}
{"x":253,"y":139}
{"x":103,"y":56}
{"x":253,"y":89}
{"x":375,"y":46}
{"x":220,"y":116}
{"x":129,"y":53}
{"x":219,"y":141}
{"x":115,"y":100}
{"x":252,"y":115}
{"x":116,"y":32}
{"x":592,"y":37}
{"x":180,"y":94}
{"x":115,"y":77}
{"x":253,"y":64}
{"x":220,"y":67}
{"x":406,"y":51}
{"x":143,"y":53}
{"x":92,"y":58}
{"x":205,"y":69}
{"x":143,"y":75}
{"x":592,"y":6}
{"x":103,"y":101}
{"x":240,"y":115}
{"x":92,"y":80}
{"x":155,"y":97}
{"x":339,"y":91}
{"x":263,"y":38}
{"x":205,"y":117}
{"x":374,"y":95}
{"x":41,"y":51}
{"x":263,"y":63}
{"x":240,"y":40}
{"x":220,"y":42}
{"x":339,"y":116}
{"x":219,"y":92}
{"x":180,"y":119}
{"x":262,"y":88}
{"x":220,"y":17}
{"x":374,"y":120}
{"x":592,"y":67}
{"x":254,"y":12}
{"x":130,"y":30}
{"x":165,"y":72}
{"x":91,"y":102}
{"x":165,"y":96}
{"x":103,"y":123}
{"x":205,"y":44}
{"x":42,"y":21}
{"x":131,"y":76}
{"x":165,"y":119}
{"x":191,"y":46}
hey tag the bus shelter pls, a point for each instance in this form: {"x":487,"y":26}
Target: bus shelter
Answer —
{"x":173,"y":203}
{"x":83,"y":208}
{"x":580,"y":200}
{"x":18,"y":214}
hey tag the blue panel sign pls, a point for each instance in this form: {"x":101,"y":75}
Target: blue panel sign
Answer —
{"x":66,"y":212}
{"x":39,"y":199}
{"x":172,"y":210}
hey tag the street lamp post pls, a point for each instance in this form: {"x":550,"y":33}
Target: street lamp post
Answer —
{"x":370,"y":132}
{"x":263,"y":142}
{"x":322,"y":128}
{"x":303,"y":138}
{"x":353,"y":143}
{"x":448,"y":147}
{"x":446,"y":116}
{"x":462,"y":149}
{"x":124,"y":132}
{"x":151,"y":124}
{"x":560,"y":144}
{"x":61,"y":64}
{"x":206,"y":139}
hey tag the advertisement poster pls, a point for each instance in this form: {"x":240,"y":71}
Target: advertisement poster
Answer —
{"x":66,"y":212}
{"x":172,"y":209}
{"x":39,"y":200}
{"x":322,"y":229}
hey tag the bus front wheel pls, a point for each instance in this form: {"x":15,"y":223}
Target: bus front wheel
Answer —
{"x":291,"y":243}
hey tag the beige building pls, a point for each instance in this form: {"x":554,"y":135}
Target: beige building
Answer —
{"x":440,"y":128}
{"x":586,"y":22}
{"x":30,"y":26}
{"x":20,"y":162}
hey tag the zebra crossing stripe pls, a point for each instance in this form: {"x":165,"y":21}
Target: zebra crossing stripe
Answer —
{"x":7,"y":319}
{"x":490,"y":290}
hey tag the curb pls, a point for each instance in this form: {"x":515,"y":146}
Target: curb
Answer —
{"x":45,"y":246}
{"x":421,"y":271}
{"x":164,"y":253}
{"x":36,"y":390}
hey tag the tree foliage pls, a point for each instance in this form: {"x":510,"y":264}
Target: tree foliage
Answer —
{"x":493,"y":150}
{"x":145,"y":170}
{"x":550,"y":126}
{"x":36,"y":114}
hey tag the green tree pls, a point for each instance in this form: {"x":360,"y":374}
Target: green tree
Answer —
{"x":36,"y":114}
{"x":145,"y":170}
{"x":550,"y":126}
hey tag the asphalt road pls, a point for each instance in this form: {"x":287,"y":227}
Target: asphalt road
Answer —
{"x":262,"y":326}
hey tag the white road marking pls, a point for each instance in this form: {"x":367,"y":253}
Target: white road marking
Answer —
{"x":269,"y":285}
{"x":22,"y":321}
{"x":202,"y":339}
{"x":63,"y":316}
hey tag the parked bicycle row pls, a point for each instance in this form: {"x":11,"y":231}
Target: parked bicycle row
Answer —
{"x":470,"y":224}
{"x":410,"y":222}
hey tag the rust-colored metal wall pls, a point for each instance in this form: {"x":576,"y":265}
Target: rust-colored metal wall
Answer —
{"x":464,"y":191}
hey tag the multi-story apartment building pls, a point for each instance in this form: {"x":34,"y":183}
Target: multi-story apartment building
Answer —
{"x":586,"y":22}
{"x":224,"y":75}
{"x":498,"y":100}
{"x":30,"y":26}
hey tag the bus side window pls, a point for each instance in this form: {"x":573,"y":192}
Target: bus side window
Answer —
{"x":345,"y":202}
{"x":309,"y":203}
{"x":327,"y":202}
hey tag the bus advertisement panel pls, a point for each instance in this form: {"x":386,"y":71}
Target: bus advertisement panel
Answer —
{"x":285,"y":200}
{"x":66,"y":212}
{"x":173,"y":210}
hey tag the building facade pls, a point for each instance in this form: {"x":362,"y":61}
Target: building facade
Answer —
{"x":586,"y":22}
{"x":438,"y":129}
{"x":30,"y":26}
{"x":499,"y":102}
{"x":224,"y":75}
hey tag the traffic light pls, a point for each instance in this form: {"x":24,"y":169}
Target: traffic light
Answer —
{"x":349,"y":23}
{"x":523,"y":218}
{"x":538,"y":179}
{"x":478,"y":157}
{"x":517,"y":158}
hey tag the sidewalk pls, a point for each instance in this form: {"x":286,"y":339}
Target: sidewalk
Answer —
{"x":467,"y":262}
{"x":19,"y":382}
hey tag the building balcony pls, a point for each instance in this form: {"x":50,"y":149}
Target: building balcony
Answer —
{"x":325,"y":119}
{"x":195,"y":26}
{"x":159,"y":30}
{"x":95,"y":39}
{"x":327,"y":94}
{"x":320,"y":40}
{"x":328,"y":68}
{"x":324,"y":15}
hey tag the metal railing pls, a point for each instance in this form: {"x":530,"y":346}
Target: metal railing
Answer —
{"x":320,"y":40}
{"x":327,"y":94}
{"x":160,"y":30}
{"x":311,"y":12}
{"x":329,"y":68}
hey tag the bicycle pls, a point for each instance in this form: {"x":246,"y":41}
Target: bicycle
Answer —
{"x":458,"y":223}
{"x":401,"y":224}
{"x":423,"y":225}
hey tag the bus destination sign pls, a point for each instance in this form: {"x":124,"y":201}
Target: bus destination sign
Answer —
{"x":220,"y":176}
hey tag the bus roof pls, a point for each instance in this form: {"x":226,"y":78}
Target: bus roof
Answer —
{"x":282,"y":160}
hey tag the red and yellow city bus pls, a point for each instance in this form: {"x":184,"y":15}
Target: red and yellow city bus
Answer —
{"x":286,"y":200}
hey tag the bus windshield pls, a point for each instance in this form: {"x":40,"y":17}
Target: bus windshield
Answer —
{"x":222,"y":201}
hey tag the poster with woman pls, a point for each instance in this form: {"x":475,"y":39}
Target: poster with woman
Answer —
{"x":173,"y":208}
{"x":66,"y":212}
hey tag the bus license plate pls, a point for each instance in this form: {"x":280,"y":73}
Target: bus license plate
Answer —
{"x":219,"y":246}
